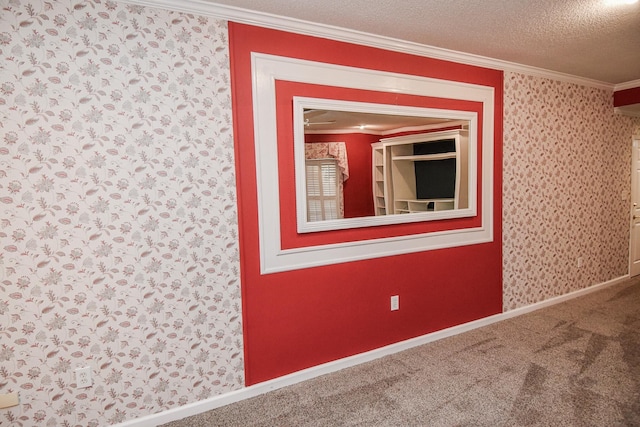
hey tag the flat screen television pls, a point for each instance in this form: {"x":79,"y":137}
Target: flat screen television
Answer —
{"x":435,"y":179}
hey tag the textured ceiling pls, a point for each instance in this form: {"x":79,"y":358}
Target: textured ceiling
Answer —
{"x":584,"y":38}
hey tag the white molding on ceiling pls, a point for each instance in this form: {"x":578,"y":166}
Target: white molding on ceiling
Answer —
{"x":627,"y":85}
{"x":245,"y":16}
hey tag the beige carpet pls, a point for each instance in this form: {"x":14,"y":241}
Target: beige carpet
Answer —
{"x":572,"y":364}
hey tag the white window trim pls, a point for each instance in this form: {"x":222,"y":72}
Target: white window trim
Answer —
{"x":266,"y":69}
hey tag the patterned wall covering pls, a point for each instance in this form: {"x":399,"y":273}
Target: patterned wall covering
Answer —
{"x":567,"y":179}
{"x":118,"y":212}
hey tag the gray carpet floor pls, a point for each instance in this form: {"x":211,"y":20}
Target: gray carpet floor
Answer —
{"x":575,"y":363}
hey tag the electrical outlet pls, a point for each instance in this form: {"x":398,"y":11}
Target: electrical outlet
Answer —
{"x":395,"y":303}
{"x":83,"y":377}
{"x":579,"y":262}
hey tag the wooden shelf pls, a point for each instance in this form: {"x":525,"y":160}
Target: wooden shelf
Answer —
{"x":423,"y":205}
{"x":379,"y":179}
{"x":425,"y":157}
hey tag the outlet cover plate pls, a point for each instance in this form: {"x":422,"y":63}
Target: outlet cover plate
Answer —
{"x":83,"y":377}
{"x":395,"y":303}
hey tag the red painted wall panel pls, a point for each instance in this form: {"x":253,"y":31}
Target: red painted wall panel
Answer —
{"x":626,"y":97}
{"x":298,"y":319}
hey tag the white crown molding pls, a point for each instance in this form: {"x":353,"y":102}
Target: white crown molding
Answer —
{"x":627,"y":85}
{"x":245,"y":16}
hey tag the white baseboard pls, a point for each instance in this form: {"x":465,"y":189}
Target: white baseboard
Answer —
{"x":316,"y":371}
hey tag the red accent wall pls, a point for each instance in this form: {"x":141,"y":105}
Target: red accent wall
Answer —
{"x":298,"y":319}
{"x":626,"y":97}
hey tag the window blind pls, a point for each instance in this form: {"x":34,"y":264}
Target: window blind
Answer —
{"x":322,"y":189}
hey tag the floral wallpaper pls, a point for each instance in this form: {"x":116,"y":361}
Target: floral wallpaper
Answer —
{"x":118,"y":236}
{"x":566,"y":188}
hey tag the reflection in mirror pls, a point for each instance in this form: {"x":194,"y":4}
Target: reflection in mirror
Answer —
{"x":361,"y":164}
{"x":381,"y":164}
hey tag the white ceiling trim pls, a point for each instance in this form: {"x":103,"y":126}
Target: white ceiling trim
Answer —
{"x":627,"y":85}
{"x":245,"y":16}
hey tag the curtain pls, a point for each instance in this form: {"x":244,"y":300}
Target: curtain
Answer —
{"x":324,"y":150}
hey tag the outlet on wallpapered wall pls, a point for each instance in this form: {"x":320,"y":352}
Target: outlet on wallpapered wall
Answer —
{"x":83,"y":377}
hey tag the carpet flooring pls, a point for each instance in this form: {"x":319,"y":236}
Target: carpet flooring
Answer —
{"x":575,"y":363}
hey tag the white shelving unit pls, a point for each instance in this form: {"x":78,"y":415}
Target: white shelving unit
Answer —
{"x":379,"y":179}
{"x":394,"y":171}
